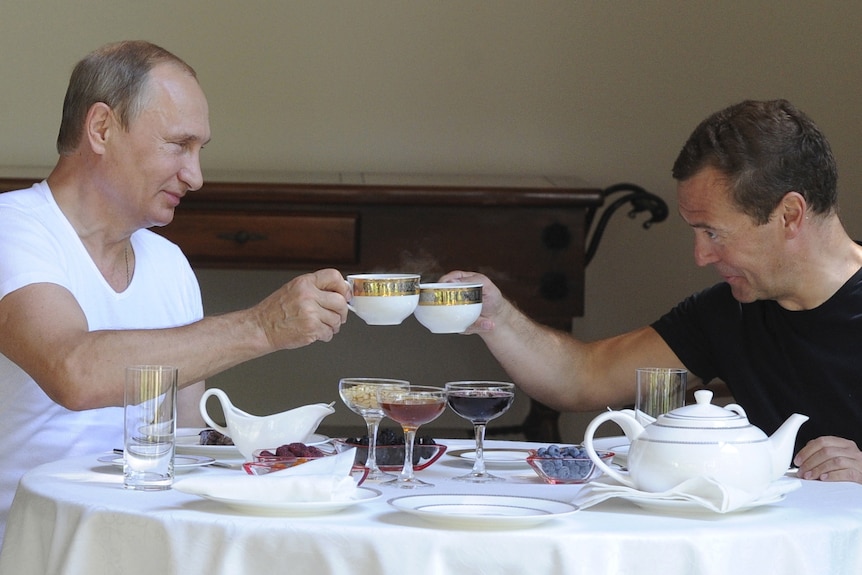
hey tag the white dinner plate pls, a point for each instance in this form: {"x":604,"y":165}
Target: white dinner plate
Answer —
{"x":619,"y":444}
{"x":676,"y":506}
{"x":483,"y":511}
{"x":268,"y":507}
{"x":495,"y":456}
{"x":181,"y":462}
{"x":188,"y":443}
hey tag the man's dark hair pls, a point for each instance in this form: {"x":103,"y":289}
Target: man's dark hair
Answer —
{"x":765,"y":149}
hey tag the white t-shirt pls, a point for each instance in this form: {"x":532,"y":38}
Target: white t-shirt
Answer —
{"x":39,"y":245}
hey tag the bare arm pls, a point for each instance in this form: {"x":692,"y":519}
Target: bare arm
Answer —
{"x":554,"y":367}
{"x":188,"y":405}
{"x":44,"y":331}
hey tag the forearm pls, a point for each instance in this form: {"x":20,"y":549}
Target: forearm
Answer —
{"x":543,"y":362}
{"x":188,"y":405}
{"x":45,"y":332}
{"x":92,"y":372}
{"x":562,"y":372}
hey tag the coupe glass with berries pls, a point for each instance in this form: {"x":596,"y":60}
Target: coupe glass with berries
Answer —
{"x":360,"y":395}
{"x":479,"y":402}
{"x":411,"y":407}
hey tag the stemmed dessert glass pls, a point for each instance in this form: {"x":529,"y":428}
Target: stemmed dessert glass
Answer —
{"x":360,"y":395}
{"x":411,"y":407}
{"x":479,"y":402}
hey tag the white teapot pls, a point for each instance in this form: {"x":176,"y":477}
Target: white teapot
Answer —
{"x":250,"y":432}
{"x":699,"y":440}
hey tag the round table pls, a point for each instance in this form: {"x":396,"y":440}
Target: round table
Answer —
{"x":73,"y":516}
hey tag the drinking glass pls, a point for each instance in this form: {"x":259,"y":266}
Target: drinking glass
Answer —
{"x":411,"y":407}
{"x":150,"y":416}
{"x":360,"y":395}
{"x":660,"y":390}
{"x":479,"y":402}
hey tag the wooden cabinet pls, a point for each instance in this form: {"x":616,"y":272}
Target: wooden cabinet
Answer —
{"x":526,"y":233}
{"x":258,"y":238}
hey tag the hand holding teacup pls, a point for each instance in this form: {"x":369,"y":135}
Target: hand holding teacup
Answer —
{"x":311,"y":307}
{"x":449,"y":307}
{"x":494,"y":305}
{"x":443,"y":307}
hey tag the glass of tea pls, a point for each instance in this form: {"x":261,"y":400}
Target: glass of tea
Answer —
{"x":411,"y":407}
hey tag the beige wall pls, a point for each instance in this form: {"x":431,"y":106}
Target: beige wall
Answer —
{"x":606,"y":91}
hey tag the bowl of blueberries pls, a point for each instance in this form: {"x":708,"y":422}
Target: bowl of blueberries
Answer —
{"x":557,"y":464}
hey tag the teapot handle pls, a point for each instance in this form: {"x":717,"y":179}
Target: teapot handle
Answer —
{"x":737,"y":409}
{"x":629,"y":425}
{"x":225,"y":403}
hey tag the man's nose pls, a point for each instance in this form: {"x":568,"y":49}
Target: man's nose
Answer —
{"x":191,"y":174}
{"x":704,"y":253}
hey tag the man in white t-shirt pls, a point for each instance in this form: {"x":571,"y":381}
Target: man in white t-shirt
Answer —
{"x":86,"y":288}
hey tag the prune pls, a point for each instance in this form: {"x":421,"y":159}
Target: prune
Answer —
{"x":303,"y":450}
{"x":393,"y":456}
{"x":292,"y":450}
{"x":284,"y":451}
{"x":213,"y":437}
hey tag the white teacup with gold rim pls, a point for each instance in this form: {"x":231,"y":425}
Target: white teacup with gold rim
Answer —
{"x":449,"y":307}
{"x":383,"y":299}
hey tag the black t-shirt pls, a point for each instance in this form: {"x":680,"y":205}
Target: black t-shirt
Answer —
{"x":777,"y":362}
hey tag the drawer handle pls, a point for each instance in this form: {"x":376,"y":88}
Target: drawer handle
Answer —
{"x":241,"y":237}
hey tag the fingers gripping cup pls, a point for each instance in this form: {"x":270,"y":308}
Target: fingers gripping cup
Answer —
{"x":383,"y":299}
{"x":448,"y":307}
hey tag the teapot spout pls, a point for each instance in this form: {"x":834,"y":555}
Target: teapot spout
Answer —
{"x":783,"y":441}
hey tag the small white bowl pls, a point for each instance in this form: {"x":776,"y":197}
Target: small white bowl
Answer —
{"x":383,"y":299}
{"x":449,"y":307}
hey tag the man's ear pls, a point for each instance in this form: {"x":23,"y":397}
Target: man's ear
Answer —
{"x":793,"y":209}
{"x":98,"y":126}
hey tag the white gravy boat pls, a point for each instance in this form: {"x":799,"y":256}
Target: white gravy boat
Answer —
{"x":251,"y":432}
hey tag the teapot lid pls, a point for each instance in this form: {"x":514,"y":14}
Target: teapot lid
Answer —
{"x":704,"y":414}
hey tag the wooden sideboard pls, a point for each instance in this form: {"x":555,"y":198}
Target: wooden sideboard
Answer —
{"x":526,"y":233}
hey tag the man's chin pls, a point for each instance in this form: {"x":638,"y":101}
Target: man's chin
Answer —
{"x":742,"y":295}
{"x":163,"y":219}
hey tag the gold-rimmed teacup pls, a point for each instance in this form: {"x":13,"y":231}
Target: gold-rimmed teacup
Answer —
{"x":383,"y":299}
{"x":449,"y":307}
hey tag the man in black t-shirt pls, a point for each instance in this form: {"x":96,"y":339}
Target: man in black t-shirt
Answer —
{"x":757,"y":183}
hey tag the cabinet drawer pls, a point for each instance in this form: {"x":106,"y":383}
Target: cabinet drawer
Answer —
{"x":242,"y":239}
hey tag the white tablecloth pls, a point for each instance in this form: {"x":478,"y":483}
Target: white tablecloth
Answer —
{"x":73,"y":516}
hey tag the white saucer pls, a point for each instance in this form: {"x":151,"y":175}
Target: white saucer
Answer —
{"x":181,"y":462}
{"x":268,"y":507}
{"x":188,"y":443}
{"x":483,"y":511}
{"x":495,"y":456}
{"x":619,"y":444}
{"x":692,"y":507}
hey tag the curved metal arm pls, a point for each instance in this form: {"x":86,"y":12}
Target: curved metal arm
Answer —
{"x":542,"y":422}
{"x":640,"y":200}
